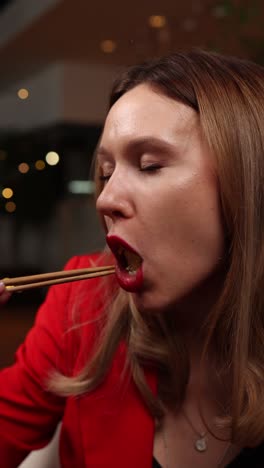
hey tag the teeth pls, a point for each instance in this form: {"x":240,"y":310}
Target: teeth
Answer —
{"x":130,"y":270}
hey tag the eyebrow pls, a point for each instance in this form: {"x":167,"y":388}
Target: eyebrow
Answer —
{"x":140,"y":145}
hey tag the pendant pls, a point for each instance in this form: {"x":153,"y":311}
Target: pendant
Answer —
{"x":201,"y":444}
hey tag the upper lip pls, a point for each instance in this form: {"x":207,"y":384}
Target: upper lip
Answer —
{"x":114,"y":243}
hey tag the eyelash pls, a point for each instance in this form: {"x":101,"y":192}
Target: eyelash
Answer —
{"x":104,"y":178}
{"x":151,"y":168}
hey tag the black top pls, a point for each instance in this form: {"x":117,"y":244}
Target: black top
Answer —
{"x":248,"y":458}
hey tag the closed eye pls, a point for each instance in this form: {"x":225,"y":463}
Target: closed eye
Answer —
{"x":151,"y":168}
{"x":104,"y":178}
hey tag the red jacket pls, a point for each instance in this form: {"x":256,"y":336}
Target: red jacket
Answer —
{"x":108,"y":428}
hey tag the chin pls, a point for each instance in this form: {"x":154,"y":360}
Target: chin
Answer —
{"x":147,"y":302}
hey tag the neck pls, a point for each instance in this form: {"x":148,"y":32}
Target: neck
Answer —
{"x":191,"y":311}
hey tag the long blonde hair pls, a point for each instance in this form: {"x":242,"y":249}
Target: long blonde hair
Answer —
{"x":228,"y":96}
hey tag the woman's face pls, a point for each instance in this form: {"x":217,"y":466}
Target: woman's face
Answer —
{"x":161,"y":195}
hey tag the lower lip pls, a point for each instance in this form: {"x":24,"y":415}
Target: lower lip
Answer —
{"x":131,"y":283}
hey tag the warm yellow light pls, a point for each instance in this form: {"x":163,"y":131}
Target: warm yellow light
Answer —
{"x":23,"y":93}
{"x":3,"y":155}
{"x":10,"y":207}
{"x":40,"y":165}
{"x":108,"y":46}
{"x":157,"y":21}
{"x":52,"y":158}
{"x":23,"y":168}
{"x":7,"y":192}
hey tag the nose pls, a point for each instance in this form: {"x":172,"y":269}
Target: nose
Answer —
{"x":115,"y":200}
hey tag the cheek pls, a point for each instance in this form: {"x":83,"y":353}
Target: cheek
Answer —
{"x":189,"y":220}
{"x":209,"y":219}
{"x":204,"y":233}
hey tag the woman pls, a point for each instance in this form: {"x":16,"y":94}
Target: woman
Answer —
{"x":164,"y":367}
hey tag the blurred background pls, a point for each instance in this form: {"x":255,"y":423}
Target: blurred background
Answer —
{"x":58,"y":59}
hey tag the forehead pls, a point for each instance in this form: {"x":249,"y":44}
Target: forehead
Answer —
{"x":144,"y":112}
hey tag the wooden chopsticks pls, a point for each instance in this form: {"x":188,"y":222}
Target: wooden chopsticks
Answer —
{"x":46,"y":279}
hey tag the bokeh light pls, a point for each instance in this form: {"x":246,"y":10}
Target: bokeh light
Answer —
{"x":40,"y":165}
{"x":157,"y":21}
{"x":23,"y":93}
{"x":52,"y":158}
{"x":10,"y":207}
{"x":108,"y":46}
{"x":7,"y":192}
{"x":23,"y":168}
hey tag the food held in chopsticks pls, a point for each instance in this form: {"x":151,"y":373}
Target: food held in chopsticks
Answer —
{"x":46,"y":279}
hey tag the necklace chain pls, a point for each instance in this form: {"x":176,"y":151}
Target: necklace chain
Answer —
{"x":200,"y":434}
{"x":200,"y":444}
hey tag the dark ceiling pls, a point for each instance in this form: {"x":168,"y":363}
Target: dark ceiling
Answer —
{"x":74,"y":30}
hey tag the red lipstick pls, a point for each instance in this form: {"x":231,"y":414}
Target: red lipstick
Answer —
{"x":129,"y":269}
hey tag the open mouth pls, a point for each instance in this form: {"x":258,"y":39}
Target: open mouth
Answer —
{"x":129,"y":268}
{"x":128,"y":260}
